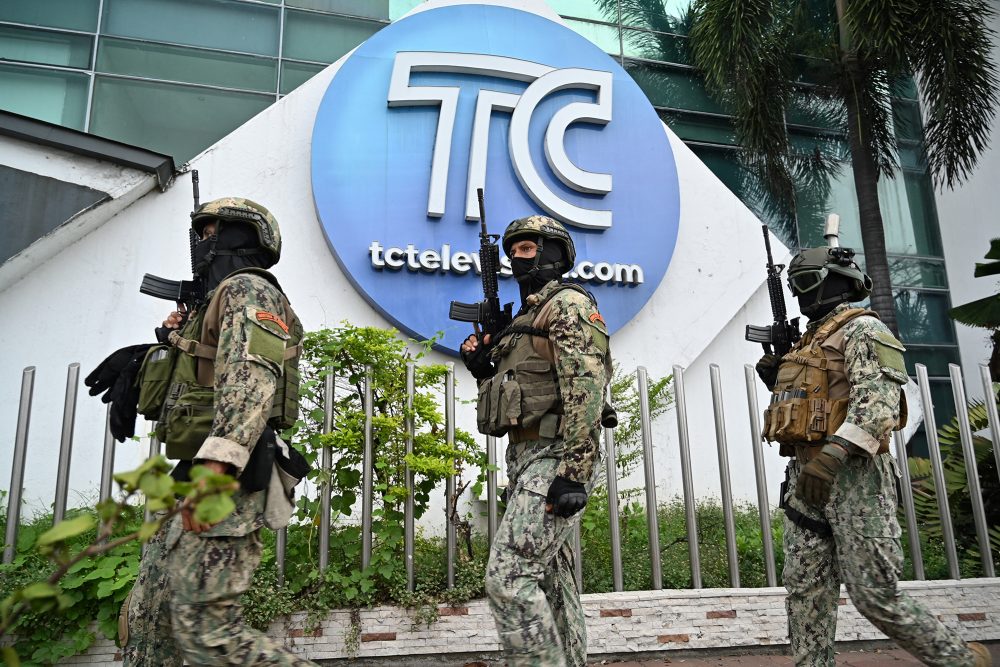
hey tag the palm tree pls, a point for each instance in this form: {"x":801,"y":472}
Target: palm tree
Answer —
{"x":855,"y":55}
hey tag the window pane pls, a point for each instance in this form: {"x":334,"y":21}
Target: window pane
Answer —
{"x":44,"y":47}
{"x":911,"y":156}
{"x":371,"y":9}
{"x":604,"y":36}
{"x":323,"y":38}
{"x":70,"y":14}
{"x":815,"y":202}
{"x":56,"y":97}
{"x":923,"y":317}
{"x":294,"y":75}
{"x":217,"y":24}
{"x":597,"y":10}
{"x":677,"y":89}
{"x":936,"y":359}
{"x":909,"y":215}
{"x":813,"y":111}
{"x":662,"y":15}
{"x":656,"y":46}
{"x":398,"y":8}
{"x":907,"y":120}
{"x":169,"y":118}
{"x":700,"y":128}
{"x":907,"y":272}
{"x":181,"y":63}
{"x":725,"y":165}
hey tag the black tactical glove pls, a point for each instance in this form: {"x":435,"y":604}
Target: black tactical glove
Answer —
{"x":116,"y":377}
{"x":566,"y":497}
{"x":767,"y":369}
{"x":478,"y":361}
{"x":106,"y":374}
{"x":816,"y":477}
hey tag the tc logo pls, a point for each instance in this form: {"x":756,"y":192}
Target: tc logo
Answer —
{"x":463,"y":96}
{"x":543,"y":81}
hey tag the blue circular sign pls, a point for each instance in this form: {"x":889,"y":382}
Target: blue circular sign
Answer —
{"x":479,"y":95}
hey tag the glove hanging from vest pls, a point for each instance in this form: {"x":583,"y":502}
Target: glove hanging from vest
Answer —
{"x":816,"y":478}
{"x":566,"y":497}
{"x":115,"y":379}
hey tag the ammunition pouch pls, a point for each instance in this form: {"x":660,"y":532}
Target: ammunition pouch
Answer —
{"x":518,"y":398}
{"x":803,"y":420}
{"x":154,"y":380}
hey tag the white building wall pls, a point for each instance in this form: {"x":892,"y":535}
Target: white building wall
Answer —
{"x":83,"y":302}
{"x":969,"y":217}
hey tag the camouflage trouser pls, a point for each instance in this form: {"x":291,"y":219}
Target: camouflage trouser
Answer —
{"x":530,"y":575}
{"x":865,"y":554}
{"x":185,"y":604}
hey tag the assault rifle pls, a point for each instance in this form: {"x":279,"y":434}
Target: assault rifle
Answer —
{"x":487,"y":314}
{"x":187,"y":293}
{"x":778,"y":337}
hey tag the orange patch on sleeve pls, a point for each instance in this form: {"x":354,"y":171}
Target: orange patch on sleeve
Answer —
{"x":595,"y":317}
{"x":264,"y":316}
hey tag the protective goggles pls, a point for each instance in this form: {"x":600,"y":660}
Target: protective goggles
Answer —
{"x":806,"y":281}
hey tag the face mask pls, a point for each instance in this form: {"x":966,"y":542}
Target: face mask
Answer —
{"x":531,"y":277}
{"x":230,"y":250}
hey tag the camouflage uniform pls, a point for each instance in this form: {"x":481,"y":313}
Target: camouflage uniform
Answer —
{"x":530,"y":575}
{"x":185,"y":605}
{"x":864,"y":550}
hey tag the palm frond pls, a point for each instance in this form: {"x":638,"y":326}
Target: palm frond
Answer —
{"x":984,"y":313}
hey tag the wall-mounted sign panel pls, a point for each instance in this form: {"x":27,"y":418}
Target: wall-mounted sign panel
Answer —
{"x":448,"y":100}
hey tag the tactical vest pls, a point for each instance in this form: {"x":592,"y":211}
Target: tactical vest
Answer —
{"x":175,"y":381}
{"x":522,"y":398}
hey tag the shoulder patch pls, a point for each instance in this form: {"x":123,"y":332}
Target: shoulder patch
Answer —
{"x":596,"y":317}
{"x":890,"y":355}
{"x":264,"y":316}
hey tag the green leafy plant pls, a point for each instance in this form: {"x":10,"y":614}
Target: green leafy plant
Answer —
{"x":83,"y":566}
{"x":985,"y":312}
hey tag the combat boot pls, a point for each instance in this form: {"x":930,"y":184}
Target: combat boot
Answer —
{"x":981,"y":654}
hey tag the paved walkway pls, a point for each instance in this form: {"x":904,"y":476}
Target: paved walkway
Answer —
{"x":848,"y":658}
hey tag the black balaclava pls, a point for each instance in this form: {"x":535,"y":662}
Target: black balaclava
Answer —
{"x":535,"y":273}
{"x":832,"y":285}
{"x":234,"y":246}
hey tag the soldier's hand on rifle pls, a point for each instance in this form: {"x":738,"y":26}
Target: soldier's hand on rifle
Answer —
{"x":174,"y":321}
{"x":816,"y":478}
{"x":476,"y":356}
{"x":767,"y":369}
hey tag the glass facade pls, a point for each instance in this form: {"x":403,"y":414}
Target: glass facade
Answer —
{"x":174,"y":76}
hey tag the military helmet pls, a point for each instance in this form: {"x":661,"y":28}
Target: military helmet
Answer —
{"x":809,"y":269}
{"x":540,"y":225}
{"x":239,"y":209}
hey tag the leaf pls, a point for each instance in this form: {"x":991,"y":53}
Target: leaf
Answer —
{"x":214,"y":508}
{"x":128,"y":480}
{"x":39,"y":591}
{"x":64,"y":530}
{"x":147,"y":530}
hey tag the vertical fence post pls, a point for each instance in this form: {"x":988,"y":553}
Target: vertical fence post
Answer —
{"x":611,"y":463}
{"x":727,"y":493}
{"x":280,"y":551}
{"x":971,"y":469}
{"x":66,"y":443}
{"x":763,"y":508}
{"x":916,"y":554}
{"x":108,"y":459}
{"x":989,"y":397}
{"x":326,"y":468}
{"x":491,"y":488}
{"x":577,"y":558}
{"x":17,"y":466}
{"x":652,"y":520}
{"x":451,"y":501}
{"x":408,"y":526}
{"x":366,"y":475}
{"x":683,"y":439}
{"x":934,"y":453}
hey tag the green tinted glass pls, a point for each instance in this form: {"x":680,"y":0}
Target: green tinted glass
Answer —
{"x":186,"y":64}
{"x":911,"y":156}
{"x":908,"y":272}
{"x":56,"y":97}
{"x":323,"y":38}
{"x":169,"y":118}
{"x":923,"y":317}
{"x":909,"y":215}
{"x":674,"y":88}
{"x":907,"y":120}
{"x":216,"y":24}
{"x":45,"y":47}
{"x":814,"y":111}
{"x":597,"y":10}
{"x":69,"y":14}
{"x":936,"y":359}
{"x":660,"y":46}
{"x":398,"y":8}
{"x":708,"y":129}
{"x":604,"y":36}
{"x":294,"y":74}
{"x":370,"y":9}
{"x":815,"y":202}
{"x":832,"y":146}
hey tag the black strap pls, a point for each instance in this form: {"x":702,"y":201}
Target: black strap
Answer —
{"x":821,"y":528}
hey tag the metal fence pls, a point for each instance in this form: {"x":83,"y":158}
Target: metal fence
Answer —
{"x":683,"y":441}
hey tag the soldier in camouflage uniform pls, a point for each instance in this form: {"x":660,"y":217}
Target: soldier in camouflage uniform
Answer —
{"x":542,"y":384}
{"x":185,"y":605}
{"x":836,"y":398}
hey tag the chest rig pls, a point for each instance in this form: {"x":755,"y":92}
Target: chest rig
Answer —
{"x":176,"y":380}
{"x":522,"y":398}
{"x":809,"y":400}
